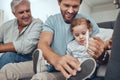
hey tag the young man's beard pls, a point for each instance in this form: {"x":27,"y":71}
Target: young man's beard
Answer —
{"x":68,"y":21}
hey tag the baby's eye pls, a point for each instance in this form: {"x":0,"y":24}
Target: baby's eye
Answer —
{"x":84,"y":33}
{"x":76,"y":35}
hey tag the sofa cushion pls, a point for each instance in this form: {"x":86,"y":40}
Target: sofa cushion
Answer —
{"x":105,"y":34}
{"x":109,"y":24}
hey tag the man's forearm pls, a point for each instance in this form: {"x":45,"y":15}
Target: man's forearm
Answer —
{"x":49,"y":54}
{"x":7,"y":47}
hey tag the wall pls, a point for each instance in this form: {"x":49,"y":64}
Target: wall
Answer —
{"x":104,"y":16}
{"x":1,"y":16}
{"x":43,"y":8}
{"x":85,"y":9}
{"x":40,"y":8}
{"x":104,"y":13}
{"x":4,"y":5}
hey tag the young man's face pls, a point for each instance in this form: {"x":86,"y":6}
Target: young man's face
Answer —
{"x":23,"y":14}
{"x":69,"y":9}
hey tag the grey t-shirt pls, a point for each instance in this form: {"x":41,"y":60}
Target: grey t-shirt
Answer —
{"x":25,"y":41}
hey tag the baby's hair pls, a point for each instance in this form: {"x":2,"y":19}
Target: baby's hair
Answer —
{"x":79,"y":21}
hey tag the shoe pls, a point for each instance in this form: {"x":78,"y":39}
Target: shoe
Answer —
{"x":38,"y":61}
{"x":87,"y":69}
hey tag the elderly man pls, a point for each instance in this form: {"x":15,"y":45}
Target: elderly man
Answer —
{"x":19,"y":36}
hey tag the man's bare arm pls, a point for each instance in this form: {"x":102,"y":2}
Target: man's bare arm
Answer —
{"x":61,"y":63}
{"x":7,"y":47}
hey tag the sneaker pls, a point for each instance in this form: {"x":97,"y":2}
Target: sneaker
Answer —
{"x":87,"y":69}
{"x":38,"y":61}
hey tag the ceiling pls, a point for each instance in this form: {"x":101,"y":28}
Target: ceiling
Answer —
{"x":98,"y":2}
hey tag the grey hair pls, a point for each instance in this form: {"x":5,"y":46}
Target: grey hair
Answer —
{"x":15,"y":3}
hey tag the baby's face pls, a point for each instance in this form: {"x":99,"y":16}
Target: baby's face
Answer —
{"x":79,"y":32}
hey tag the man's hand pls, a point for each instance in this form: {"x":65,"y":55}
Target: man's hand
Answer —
{"x":67,"y":65}
{"x":96,"y":47}
{"x":108,"y":44}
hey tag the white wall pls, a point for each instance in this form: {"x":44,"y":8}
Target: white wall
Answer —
{"x":40,"y":8}
{"x":104,"y":13}
{"x":104,"y":16}
{"x":1,"y":16}
{"x":43,"y":8}
{"x":85,"y":9}
{"x":5,"y":5}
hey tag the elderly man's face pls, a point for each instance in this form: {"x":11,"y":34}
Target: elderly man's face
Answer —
{"x":23,"y":14}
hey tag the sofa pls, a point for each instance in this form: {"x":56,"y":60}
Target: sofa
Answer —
{"x":108,"y":24}
{"x":100,"y":73}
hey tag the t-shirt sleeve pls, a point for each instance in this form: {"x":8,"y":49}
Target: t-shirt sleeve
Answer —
{"x":49,"y":24}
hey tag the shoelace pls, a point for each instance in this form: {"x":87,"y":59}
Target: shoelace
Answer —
{"x":87,"y":38}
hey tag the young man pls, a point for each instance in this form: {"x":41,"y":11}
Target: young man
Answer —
{"x":56,"y":35}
